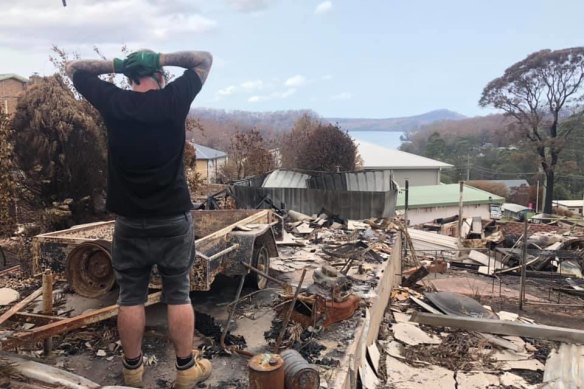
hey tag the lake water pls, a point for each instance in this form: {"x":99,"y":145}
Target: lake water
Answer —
{"x":387,"y":139}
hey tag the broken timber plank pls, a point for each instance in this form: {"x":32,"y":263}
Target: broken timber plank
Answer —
{"x":65,"y":325}
{"x":501,"y":327}
{"x":20,"y":305}
{"x":35,"y":318}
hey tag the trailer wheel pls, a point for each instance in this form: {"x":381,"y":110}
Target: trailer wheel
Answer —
{"x":261,"y":261}
{"x":89,"y":269}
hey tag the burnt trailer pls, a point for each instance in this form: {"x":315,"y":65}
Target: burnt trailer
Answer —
{"x":225,"y":242}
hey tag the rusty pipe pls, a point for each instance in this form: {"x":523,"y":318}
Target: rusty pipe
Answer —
{"x":231,"y":312}
{"x":48,"y":307}
{"x":223,"y":252}
{"x":289,"y":313}
{"x":248,"y":266}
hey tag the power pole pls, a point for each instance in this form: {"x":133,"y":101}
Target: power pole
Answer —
{"x":468,"y":167}
{"x":460,"y":206}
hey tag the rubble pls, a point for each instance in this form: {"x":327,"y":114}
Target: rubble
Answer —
{"x":345,"y":261}
{"x":330,"y":323}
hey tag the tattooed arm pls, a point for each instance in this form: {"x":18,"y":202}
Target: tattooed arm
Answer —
{"x":199,"y":61}
{"x":95,"y":67}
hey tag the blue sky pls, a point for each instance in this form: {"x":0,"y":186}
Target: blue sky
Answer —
{"x":350,"y":58}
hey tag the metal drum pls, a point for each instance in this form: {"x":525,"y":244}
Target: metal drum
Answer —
{"x":266,"y":371}
{"x":298,"y":373}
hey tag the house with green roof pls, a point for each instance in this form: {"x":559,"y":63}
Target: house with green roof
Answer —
{"x":430,"y":202}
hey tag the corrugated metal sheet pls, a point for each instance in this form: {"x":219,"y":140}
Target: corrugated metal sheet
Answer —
{"x":366,"y":181}
{"x":359,"y":195}
{"x":285,"y":179}
{"x":429,"y":241}
{"x":564,"y":368}
{"x":349,"y":204}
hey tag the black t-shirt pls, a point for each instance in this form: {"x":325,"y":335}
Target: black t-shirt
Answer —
{"x":146,"y":138}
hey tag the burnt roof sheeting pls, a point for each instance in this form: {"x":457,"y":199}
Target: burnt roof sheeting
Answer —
{"x":359,"y":195}
{"x":352,"y":205}
{"x":285,"y":179}
{"x":370,"y":181}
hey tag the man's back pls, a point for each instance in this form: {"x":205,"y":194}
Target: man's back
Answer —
{"x":146,"y":137}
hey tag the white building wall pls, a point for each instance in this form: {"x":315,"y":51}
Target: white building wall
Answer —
{"x":214,"y":168}
{"x":416,"y":177}
{"x":426,"y":215}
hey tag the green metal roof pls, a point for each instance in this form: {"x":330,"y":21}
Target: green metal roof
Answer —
{"x":445,"y":195}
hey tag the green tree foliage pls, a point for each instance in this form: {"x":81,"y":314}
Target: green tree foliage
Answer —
{"x":7,"y":187}
{"x":316,"y":146}
{"x":436,"y":147}
{"x":542,"y":93}
{"x":59,"y":145}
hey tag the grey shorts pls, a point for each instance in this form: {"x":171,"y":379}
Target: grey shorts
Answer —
{"x":141,"y":243}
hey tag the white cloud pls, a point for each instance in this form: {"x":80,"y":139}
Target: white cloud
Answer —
{"x":256,"y":99}
{"x":252,"y":85}
{"x":273,"y":96}
{"x":228,"y":91}
{"x":295,"y":82}
{"x":342,"y":96}
{"x":249,"y":5}
{"x":324,"y":7}
{"x":39,"y":23}
{"x":287,"y":93}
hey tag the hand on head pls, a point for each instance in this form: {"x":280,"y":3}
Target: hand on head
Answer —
{"x":139,"y":64}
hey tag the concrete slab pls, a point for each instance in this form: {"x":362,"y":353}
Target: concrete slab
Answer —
{"x":476,"y":380}
{"x":402,"y":376}
{"x":412,"y":335}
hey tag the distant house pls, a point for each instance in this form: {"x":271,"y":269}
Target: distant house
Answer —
{"x":209,"y":162}
{"x":11,"y":87}
{"x":419,"y":171}
{"x":515,"y":211}
{"x":431,"y":202}
{"x":574,"y":206}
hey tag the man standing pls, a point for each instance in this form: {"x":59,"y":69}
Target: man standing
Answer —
{"x":147,"y":189}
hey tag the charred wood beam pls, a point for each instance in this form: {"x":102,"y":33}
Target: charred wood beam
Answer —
{"x":69,"y":324}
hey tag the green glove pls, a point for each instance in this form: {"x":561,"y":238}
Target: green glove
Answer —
{"x":118,"y":65}
{"x":145,"y":62}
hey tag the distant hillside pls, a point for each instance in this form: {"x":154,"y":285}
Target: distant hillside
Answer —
{"x":396,"y":124}
{"x":218,"y":126}
{"x":272,"y":121}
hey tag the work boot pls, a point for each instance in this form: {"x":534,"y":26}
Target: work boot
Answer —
{"x":190,"y":377}
{"x":133,"y":376}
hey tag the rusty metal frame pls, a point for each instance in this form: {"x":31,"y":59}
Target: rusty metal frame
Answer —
{"x":68,"y":324}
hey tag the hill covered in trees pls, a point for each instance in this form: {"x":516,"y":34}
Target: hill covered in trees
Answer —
{"x":487,"y":148}
{"x":217,"y":127}
{"x":401,"y":124}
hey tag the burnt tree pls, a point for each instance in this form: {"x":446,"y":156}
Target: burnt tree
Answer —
{"x":317,"y":146}
{"x":248,"y":156}
{"x":542,"y":94}
{"x":59,"y":145}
